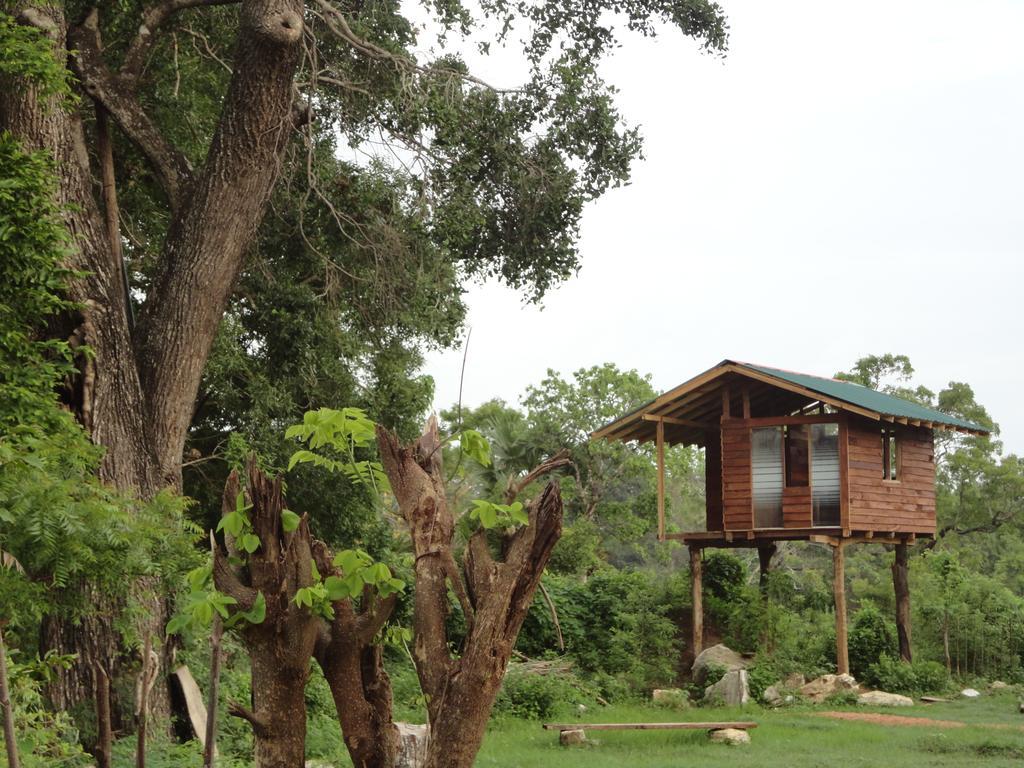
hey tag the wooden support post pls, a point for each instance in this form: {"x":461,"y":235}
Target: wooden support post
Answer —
{"x":901,"y":585}
{"x":661,"y":480}
{"x":839,"y":591}
{"x":765,"y":553}
{"x":697,"y":591}
{"x":746,"y":402}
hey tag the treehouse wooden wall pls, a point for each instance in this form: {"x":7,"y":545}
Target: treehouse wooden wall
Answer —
{"x":713,"y":480}
{"x":737,"y":506}
{"x":906,"y":505}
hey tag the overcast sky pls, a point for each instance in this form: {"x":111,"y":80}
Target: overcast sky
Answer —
{"x":849,"y":180}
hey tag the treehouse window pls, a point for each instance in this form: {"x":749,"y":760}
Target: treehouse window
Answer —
{"x":825,"y":473}
{"x":890,"y":455}
{"x":767,"y":476}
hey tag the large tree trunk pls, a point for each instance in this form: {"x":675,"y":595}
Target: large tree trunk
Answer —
{"x":495,"y":593}
{"x":281,"y":646}
{"x":142,"y":422}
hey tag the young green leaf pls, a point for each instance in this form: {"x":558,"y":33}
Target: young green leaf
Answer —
{"x":289,"y":520}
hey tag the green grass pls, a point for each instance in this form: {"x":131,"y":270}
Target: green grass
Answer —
{"x":793,"y":738}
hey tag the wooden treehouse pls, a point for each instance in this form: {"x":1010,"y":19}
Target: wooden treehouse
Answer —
{"x":791,"y":457}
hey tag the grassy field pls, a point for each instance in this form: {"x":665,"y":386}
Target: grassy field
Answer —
{"x":792,"y":738}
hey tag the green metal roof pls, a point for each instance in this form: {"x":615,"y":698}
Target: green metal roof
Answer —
{"x":857,"y":394}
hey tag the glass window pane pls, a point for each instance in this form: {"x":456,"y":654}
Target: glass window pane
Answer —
{"x":825,"y":473}
{"x":766,"y":471}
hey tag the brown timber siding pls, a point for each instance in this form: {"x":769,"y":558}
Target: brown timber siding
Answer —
{"x":906,"y":505}
{"x":737,"y":507}
{"x":713,"y":480}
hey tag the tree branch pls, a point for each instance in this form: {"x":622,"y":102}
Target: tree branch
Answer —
{"x":259,"y":726}
{"x":152,"y":19}
{"x":173,"y":170}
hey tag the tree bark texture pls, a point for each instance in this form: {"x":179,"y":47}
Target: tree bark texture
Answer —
{"x":495,"y":587}
{"x":901,"y":586}
{"x":136,"y":395}
{"x":281,"y":647}
{"x":353,"y":665}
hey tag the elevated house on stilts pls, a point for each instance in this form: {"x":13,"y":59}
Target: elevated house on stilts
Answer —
{"x":793,"y":457}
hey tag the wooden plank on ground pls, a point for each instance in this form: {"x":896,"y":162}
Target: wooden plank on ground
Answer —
{"x":742,"y":726}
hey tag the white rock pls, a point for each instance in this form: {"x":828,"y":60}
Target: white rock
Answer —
{"x":715,"y":656}
{"x":572,"y":736}
{"x":883,"y":699}
{"x":733,"y":689}
{"x":970,"y":693}
{"x":730,"y":736}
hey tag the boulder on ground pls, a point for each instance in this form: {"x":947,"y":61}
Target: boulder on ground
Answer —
{"x":794,"y":681}
{"x":715,"y":656}
{"x":883,"y":699}
{"x":572,"y":736}
{"x":970,"y":693}
{"x":730,"y":736}
{"x":733,"y":689}
{"x":822,"y":687}
{"x":670,"y":697}
{"x":412,"y":745}
{"x":998,"y":685}
{"x":773,"y":696}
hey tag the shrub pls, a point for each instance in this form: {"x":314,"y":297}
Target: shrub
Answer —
{"x":724,"y":576}
{"x":871,"y":637}
{"x":930,"y":677}
{"x":842,"y":699}
{"x":533,"y":696}
{"x":891,"y":675}
{"x":761,"y":674}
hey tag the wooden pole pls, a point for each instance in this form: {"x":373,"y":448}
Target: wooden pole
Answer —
{"x":661,"y":480}
{"x":209,"y":747}
{"x":765,"y":553}
{"x":839,"y":591}
{"x":696,"y":585}
{"x":901,"y":586}
{"x":5,"y":704}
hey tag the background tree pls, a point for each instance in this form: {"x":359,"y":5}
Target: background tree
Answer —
{"x":214,"y":104}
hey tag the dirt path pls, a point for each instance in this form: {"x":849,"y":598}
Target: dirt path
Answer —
{"x":903,"y":720}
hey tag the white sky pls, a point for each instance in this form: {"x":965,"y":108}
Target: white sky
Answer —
{"x":847,"y":181}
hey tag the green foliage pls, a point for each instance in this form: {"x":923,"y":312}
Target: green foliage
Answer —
{"x":871,"y":636}
{"x":197,"y":609}
{"x":614,"y":624}
{"x":33,"y":242}
{"x":724,"y":576}
{"x":343,"y":432}
{"x":895,"y":676}
{"x":29,"y":54}
{"x":45,"y":738}
{"x":491,"y":515}
{"x":536,"y":696}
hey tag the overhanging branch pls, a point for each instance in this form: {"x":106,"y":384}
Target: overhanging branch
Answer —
{"x":173,"y":169}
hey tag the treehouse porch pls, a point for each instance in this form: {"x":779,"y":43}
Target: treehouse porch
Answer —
{"x":793,"y":457}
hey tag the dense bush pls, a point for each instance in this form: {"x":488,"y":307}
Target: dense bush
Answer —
{"x":895,"y":676}
{"x":871,"y":637}
{"x":534,"y":696}
{"x":614,"y":623}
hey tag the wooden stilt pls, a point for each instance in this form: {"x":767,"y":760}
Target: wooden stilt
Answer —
{"x":839,"y":591}
{"x":901,"y":586}
{"x":696,"y":585}
{"x":765,"y":553}
{"x":661,"y":480}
